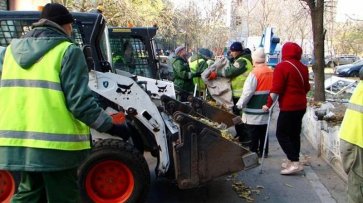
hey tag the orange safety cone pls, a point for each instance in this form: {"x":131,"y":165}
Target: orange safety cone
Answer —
{"x":7,"y":186}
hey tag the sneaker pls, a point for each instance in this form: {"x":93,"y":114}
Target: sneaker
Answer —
{"x":292,"y":168}
{"x":285,"y":163}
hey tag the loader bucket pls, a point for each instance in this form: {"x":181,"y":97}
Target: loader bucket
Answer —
{"x":200,"y":108}
{"x":201,"y":154}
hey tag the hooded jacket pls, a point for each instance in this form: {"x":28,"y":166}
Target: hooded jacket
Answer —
{"x":290,"y":80}
{"x":183,"y":77}
{"x":27,"y":50}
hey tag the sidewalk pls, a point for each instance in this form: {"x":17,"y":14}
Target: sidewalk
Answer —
{"x":317,"y":183}
{"x":307,"y":186}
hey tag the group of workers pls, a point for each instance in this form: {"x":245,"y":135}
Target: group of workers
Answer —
{"x":255,"y":86}
{"x":40,"y":85}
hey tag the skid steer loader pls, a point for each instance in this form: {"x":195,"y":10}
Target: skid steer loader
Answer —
{"x":187,"y":150}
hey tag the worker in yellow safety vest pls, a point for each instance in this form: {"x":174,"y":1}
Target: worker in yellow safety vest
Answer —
{"x":198,"y":63}
{"x":351,"y":145}
{"x":46,"y":108}
{"x":238,"y":69}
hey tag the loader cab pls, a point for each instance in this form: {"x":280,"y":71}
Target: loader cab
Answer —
{"x":133,"y":51}
{"x":89,"y":34}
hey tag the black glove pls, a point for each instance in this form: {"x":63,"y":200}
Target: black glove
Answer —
{"x":197,"y":74}
{"x":119,"y":130}
{"x":236,"y":111}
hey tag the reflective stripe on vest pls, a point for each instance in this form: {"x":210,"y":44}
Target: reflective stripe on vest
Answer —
{"x":264,"y":83}
{"x":34,"y":113}
{"x":194,"y":66}
{"x":238,"y":81}
{"x":351,"y":129}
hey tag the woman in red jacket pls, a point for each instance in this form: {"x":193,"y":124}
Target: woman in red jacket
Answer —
{"x":290,"y":85}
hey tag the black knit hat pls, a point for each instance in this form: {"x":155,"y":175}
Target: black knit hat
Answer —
{"x":57,"y":13}
{"x":236,"y":46}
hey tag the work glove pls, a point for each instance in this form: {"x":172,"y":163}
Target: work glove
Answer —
{"x":236,"y":110}
{"x":213,"y":75}
{"x":197,"y":74}
{"x":119,"y":126}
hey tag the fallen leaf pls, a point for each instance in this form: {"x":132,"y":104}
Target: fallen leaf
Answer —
{"x":288,"y":185}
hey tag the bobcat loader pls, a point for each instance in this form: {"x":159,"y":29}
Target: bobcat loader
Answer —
{"x":188,"y":151}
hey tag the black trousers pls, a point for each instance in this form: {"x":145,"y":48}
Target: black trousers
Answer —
{"x":288,"y":133}
{"x":241,"y":130}
{"x":257,"y":133}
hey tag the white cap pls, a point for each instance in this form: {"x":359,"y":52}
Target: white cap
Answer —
{"x":259,"y":55}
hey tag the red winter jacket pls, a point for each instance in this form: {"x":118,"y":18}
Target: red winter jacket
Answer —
{"x":287,"y":82}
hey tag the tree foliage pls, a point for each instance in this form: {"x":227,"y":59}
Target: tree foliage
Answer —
{"x":348,"y":38}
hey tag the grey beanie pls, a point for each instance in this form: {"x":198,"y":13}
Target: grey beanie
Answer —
{"x":178,"y":49}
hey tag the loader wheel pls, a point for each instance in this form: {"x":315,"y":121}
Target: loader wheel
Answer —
{"x":115,"y":172}
{"x":7,"y":186}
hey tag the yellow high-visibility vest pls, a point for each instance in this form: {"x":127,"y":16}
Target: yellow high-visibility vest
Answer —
{"x":238,"y":81}
{"x":194,"y":66}
{"x":33,"y":106}
{"x":351,"y":129}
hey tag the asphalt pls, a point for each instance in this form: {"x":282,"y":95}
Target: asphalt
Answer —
{"x":317,"y":183}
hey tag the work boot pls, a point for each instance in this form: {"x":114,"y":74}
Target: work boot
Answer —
{"x":292,"y":168}
{"x":285,"y":163}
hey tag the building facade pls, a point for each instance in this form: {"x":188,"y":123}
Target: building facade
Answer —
{"x":4,"y":5}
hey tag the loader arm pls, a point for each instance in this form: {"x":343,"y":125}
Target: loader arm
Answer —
{"x":125,"y":92}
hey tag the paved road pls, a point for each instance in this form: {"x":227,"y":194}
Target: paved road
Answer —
{"x":270,"y":186}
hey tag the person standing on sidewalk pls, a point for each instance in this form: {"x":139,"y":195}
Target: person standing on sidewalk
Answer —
{"x":46,"y":108}
{"x":290,"y":85}
{"x":255,"y":92}
{"x":351,"y":143}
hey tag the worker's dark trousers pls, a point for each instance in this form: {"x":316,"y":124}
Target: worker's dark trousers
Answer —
{"x":57,"y":187}
{"x":241,"y":130}
{"x":288,"y":132}
{"x":257,"y":133}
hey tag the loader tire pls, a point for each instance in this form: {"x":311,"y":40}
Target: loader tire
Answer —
{"x":115,"y":172}
{"x":7,"y":186}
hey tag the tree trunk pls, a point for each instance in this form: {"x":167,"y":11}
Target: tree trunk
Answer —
{"x":317,"y":20}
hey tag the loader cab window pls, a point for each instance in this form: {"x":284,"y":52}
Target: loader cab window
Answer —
{"x":10,"y":29}
{"x":15,"y":28}
{"x":130,"y":54}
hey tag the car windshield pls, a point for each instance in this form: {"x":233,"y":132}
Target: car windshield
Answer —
{"x":359,"y":62}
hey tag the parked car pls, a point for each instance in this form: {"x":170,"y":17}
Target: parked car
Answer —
{"x":340,"y":60}
{"x":307,"y":59}
{"x":349,"y":70}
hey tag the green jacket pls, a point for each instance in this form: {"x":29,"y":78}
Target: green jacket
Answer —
{"x":182,"y":75}
{"x":237,"y":71}
{"x":352,"y":159}
{"x":2,"y":54}
{"x":79,"y":99}
{"x":235,"y":67}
